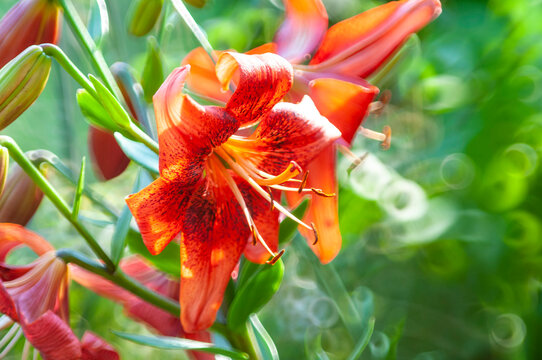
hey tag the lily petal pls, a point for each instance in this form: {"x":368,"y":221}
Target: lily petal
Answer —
{"x":202,"y":79}
{"x":7,"y":306}
{"x":291,"y":132}
{"x":360,"y":44}
{"x":263,"y":82}
{"x":94,"y":347}
{"x":64,"y":345}
{"x":344,"y":103}
{"x":187,"y":131}
{"x":213,"y":238}
{"x":13,"y":235}
{"x":302,"y":30}
{"x":158,"y":210}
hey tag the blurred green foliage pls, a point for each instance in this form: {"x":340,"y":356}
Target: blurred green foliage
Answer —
{"x":442,"y":233}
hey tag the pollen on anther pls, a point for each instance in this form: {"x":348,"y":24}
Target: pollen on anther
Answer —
{"x":315,"y":233}
{"x":275,"y":258}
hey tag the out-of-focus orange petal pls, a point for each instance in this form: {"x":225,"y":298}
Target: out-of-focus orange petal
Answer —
{"x":187,"y":131}
{"x":262,"y":49}
{"x":202,"y":79}
{"x":263,"y":82}
{"x":94,"y":347}
{"x":360,"y":44}
{"x":28,"y":22}
{"x":158,"y":211}
{"x":52,"y":337}
{"x":213,"y":238}
{"x":302,"y":30}
{"x":12,"y":235}
{"x":322,"y":211}
{"x":108,"y":159}
{"x":345,"y":104}
{"x":291,"y":132}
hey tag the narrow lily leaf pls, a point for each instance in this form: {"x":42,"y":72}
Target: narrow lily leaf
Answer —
{"x":392,"y":353}
{"x":363,"y":341}
{"x":313,"y":347}
{"x":138,"y":153}
{"x":111,"y":104}
{"x":98,"y":25}
{"x":172,"y":343}
{"x":94,"y":112}
{"x":255,"y":293}
{"x":153,"y":71}
{"x":331,"y":283}
{"x":122,"y":227}
{"x":288,"y":226}
{"x":79,"y":190}
{"x":265,"y":342}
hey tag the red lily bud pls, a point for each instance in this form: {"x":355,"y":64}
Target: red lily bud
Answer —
{"x":21,"y":82}
{"x":20,"y":199}
{"x":27,"y":23}
{"x":108,"y":159}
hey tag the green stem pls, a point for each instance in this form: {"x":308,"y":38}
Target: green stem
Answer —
{"x":85,"y":40}
{"x":120,"y":279}
{"x":191,"y":23}
{"x":143,"y":138}
{"x":244,"y":340}
{"x":49,"y":191}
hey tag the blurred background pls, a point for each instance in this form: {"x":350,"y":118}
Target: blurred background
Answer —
{"x":442,"y":233}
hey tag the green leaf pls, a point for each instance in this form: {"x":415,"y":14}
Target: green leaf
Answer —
{"x":98,"y":25}
{"x":111,"y":105}
{"x":138,"y":152}
{"x":265,"y":342}
{"x":255,"y":293}
{"x":94,"y":113}
{"x":168,"y":261}
{"x":363,"y":341}
{"x":153,"y":71}
{"x":122,"y":226}
{"x":79,"y":190}
{"x":288,"y":226}
{"x":172,"y":343}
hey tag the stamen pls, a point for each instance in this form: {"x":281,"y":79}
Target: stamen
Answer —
{"x":241,"y":172}
{"x":384,"y":136}
{"x":376,"y":107}
{"x":315,"y":233}
{"x":275,"y":258}
{"x":356,"y":161}
{"x":291,"y":171}
{"x":303,"y":182}
{"x":5,"y":322}
{"x":270,"y":192}
{"x":320,"y":192}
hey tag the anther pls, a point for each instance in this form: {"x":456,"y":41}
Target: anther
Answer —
{"x":384,"y":136}
{"x":275,"y":258}
{"x":303,"y":182}
{"x":357,"y":162}
{"x":320,"y":192}
{"x":254,"y":235}
{"x":315,"y":233}
{"x":387,"y":142}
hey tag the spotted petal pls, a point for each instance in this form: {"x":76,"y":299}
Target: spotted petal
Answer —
{"x":263,"y":82}
{"x":213,"y":238}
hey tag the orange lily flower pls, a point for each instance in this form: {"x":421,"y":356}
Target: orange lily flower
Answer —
{"x":215,"y":187}
{"x":36,"y":297}
{"x":161,"y":321}
{"x":344,"y":55}
{"x":29,"y":22}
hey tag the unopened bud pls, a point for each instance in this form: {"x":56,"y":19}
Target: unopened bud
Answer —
{"x":20,"y":199}
{"x":4,"y":163}
{"x":21,"y":82}
{"x":143,"y":16}
{"x":108,"y":159}
{"x":28,"y":22}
